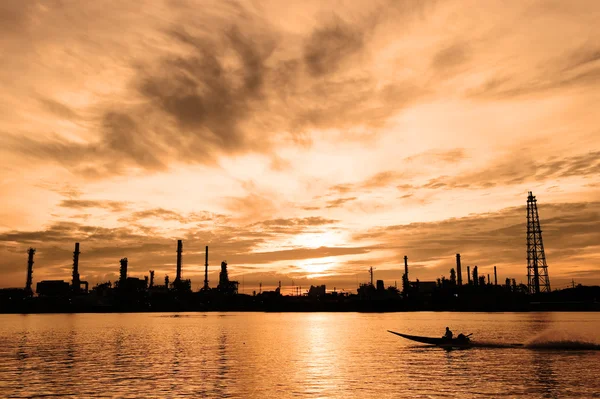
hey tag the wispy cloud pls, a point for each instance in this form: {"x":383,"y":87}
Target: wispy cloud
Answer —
{"x":274,"y":135}
{"x":336,"y":203}
{"x":519,"y":169}
{"x":113,"y":206}
{"x":169,"y":215}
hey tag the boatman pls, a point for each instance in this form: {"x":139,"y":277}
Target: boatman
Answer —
{"x":448,"y":334}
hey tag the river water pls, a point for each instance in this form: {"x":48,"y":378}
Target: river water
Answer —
{"x":305,"y":355}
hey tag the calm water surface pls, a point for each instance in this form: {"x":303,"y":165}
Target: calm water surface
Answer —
{"x":307,"y":355}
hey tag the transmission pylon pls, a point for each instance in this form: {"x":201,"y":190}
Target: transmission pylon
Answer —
{"x":537,"y":269}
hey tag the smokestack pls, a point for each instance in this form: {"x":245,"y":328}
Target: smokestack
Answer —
{"x":179,"y":248}
{"x":475,"y":276}
{"x":489,"y":281}
{"x":151,"y":279}
{"x":30,"y":253}
{"x":495,"y":276}
{"x":469,"y":274}
{"x":405,"y":282}
{"x":76,"y":283}
{"x":458,"y":270}
{"x":123,"y":273}
{"x":206,"y":269}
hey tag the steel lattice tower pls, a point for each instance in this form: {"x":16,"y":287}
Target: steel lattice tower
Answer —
{"x":537,"y":269}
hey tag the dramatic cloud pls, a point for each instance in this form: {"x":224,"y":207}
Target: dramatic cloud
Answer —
{"x":215,"y":91}
{"x":300,"y":140}
{"x":485,"y":240}
{"x":330,"y":45}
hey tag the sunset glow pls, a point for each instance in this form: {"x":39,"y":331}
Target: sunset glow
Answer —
{"x":299,"y":140}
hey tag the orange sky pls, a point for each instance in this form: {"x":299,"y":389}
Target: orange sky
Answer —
{"x":300,"y":141}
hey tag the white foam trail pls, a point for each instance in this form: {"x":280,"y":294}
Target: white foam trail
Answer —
{"x":563,"y":339}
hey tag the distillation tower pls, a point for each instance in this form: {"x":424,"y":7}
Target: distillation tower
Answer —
{"x":537,"y":269}
{"x":30,"y":253}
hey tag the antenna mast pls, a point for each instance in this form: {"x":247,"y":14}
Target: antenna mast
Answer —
{"x":371,"y":273}
{"x":537,"y":269}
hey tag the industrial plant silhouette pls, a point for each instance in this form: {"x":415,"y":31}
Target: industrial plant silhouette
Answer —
{"x":136,"y":294}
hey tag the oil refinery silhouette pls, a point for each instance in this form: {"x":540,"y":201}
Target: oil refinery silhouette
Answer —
{"x":132,"y":294}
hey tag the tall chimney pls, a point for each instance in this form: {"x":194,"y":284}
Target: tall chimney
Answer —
{"x":30,"y":253}
{"x":458,"y":270}
{"x":469,"y":274}
{"x":179,"y":248}
{"x":475,"y":276}
{"x":495,"y":276}
{"x":406,"y":267}
{"x":123,"y":273}
{"x":76,"y":283}
{"x":151,"y":279}
{"x":206,"y":269}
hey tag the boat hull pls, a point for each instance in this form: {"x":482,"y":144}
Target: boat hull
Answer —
{"x":443,"y":342}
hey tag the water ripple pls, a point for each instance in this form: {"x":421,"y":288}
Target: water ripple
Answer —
{"x":251,"y":355}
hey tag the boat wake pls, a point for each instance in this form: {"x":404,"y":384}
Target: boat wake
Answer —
{"x":546,"y":345}
{"x":563,"y":345}
{"x":483,"y":344}
{"x":561,"y":339}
